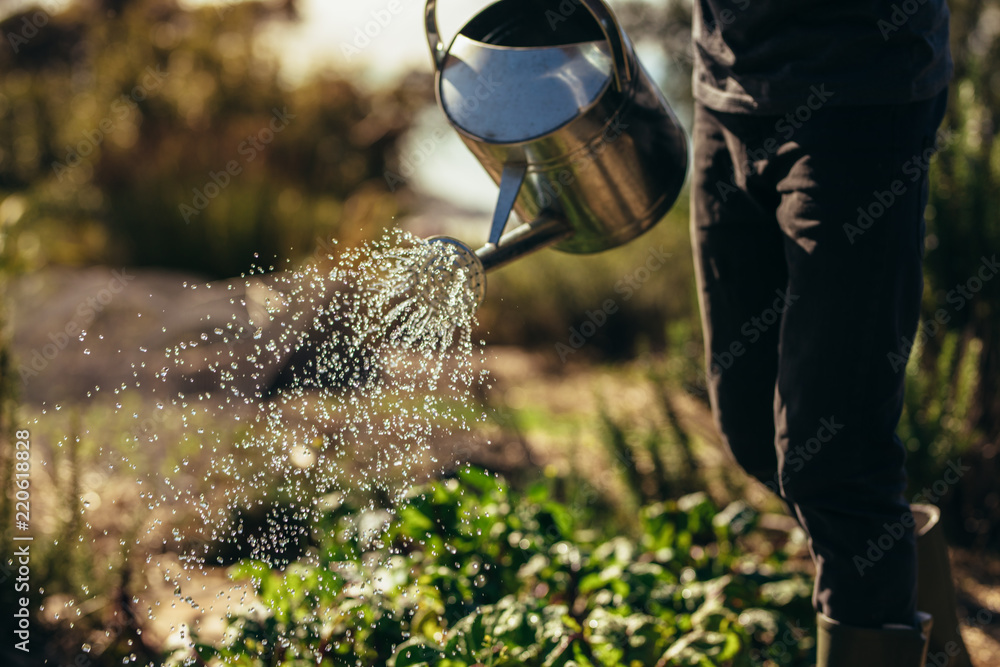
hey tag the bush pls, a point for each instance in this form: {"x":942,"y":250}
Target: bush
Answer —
{"x":158,"y":135}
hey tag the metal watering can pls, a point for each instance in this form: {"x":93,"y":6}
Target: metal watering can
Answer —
{"x":550,"y":97}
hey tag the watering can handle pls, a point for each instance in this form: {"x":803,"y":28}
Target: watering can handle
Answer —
{"x":438,"y":49}
{"x":616,"y":40}
{"x":612,"y":30}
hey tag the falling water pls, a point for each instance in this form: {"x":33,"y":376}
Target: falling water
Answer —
{"x":337,"y":387}
{"x":392,"y":369}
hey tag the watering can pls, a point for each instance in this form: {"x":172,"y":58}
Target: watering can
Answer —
{"x":551,"y":99}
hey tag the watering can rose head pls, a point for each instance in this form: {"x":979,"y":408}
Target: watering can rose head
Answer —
{"x":456,"y":261}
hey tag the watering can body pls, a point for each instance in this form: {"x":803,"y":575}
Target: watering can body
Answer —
{"x":551,"y":99}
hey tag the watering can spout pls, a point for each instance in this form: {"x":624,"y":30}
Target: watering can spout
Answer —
{"x":523,"y":240}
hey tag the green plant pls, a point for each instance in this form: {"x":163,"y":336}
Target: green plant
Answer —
{"x":152,"y":134}
{"x":940,"y":391}
{"x":469,"y":572}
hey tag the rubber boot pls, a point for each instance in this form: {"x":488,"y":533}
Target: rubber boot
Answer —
{"x":839,"y":645}
{"x":936,"y":590}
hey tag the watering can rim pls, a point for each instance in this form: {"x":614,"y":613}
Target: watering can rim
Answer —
{"x":623,"y":67}
{"x":524,"y":142}
{"x":497,"y":47}
{"x":597,"y":96}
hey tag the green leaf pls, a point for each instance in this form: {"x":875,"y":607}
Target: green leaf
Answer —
{"x":254,"y":570}
{"x":416,"y":653}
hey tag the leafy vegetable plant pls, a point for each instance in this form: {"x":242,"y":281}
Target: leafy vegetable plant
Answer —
{"x":469,"y":573}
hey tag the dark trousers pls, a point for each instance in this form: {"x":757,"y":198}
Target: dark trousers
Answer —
{"x":808,"y":240}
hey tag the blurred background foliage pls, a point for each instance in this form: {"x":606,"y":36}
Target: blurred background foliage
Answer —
{"x":957,"y":411}
{"x":172,"y":94}
{"x":161,"y":97}
{"x":116,"y":113}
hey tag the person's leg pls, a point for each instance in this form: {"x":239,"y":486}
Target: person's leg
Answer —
{"x":852,"y":199}
{"x":740,"y":268}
